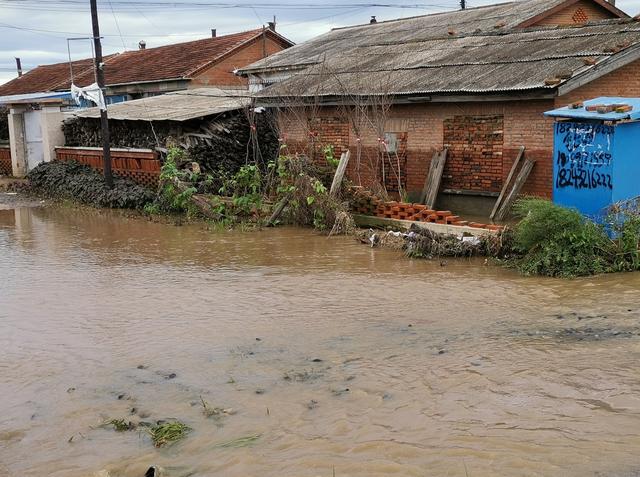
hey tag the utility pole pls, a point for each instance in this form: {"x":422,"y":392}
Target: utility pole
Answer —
{"x":104,"y":119}
{"x":463,"y":4}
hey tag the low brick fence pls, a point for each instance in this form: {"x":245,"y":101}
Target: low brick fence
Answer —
{"x":5,"y":161}
{"x":139,"y":165}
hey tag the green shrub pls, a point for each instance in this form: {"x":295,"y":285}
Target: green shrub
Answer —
{"x":559,"y":242}
{"x":625,"y":227}
{"x":74,"y":181}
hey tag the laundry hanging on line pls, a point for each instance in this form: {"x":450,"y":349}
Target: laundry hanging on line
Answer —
{"x":92,"y":93}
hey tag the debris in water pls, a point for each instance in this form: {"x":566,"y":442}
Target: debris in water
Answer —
{"x":168,"y":432}
{"x":340,"y":392}
{"x":260,"y":391}
{"x":209,"y":411}
{"x":70,"y":390}
{"x":241,"y":442}
{"x":312,"y":404}
{"x":301,"y":376}
{"x":120,"y":425}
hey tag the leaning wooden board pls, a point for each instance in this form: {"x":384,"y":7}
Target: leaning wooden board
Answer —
{"x":434,"y":178}
{"x":505,"y":187}
{"x":505,"y":208}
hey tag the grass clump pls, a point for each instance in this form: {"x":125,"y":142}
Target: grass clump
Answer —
{"x":168,"y":432}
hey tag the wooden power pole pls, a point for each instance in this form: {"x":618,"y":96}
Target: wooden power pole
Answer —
{"x":104,"y":119}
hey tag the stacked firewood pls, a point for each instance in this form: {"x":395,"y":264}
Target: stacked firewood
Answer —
{"x":4,"y":124}
{"x":225,"y":142}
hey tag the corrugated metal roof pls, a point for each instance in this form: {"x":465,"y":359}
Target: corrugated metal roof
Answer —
{"x":517,"y":60}
{"x":582,"y":113}
{"x":492,"y":18}
{"x":178,"y":106}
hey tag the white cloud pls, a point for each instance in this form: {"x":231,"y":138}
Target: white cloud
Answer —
{"x":159,"y":27}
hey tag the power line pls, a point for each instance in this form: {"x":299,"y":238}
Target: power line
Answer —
{"x":117,"y":26}
{"x":61,"y":5}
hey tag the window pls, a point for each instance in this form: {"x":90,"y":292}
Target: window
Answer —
{"x":391,"y":141}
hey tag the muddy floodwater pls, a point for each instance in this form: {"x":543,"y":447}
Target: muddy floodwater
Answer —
{"x":329,"y":357}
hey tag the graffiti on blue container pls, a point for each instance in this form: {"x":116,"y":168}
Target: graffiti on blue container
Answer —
{"x":583,"y":156}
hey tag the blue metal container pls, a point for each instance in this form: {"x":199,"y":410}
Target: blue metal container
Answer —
{"x":596,"y":156}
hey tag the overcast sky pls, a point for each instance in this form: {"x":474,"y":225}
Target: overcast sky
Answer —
{"x":36,"y":30}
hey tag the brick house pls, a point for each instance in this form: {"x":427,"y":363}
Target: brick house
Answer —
{"x":37,"y":99}
{"x":151,"y":71}
{"x":475,"y":81}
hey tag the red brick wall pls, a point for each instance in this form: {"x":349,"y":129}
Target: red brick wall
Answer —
{"x":580,"y":12}
{"x":624,"y":82}
{"x":221,"y":73}
{"x":474,"y":162}
{"x":140,"y":165}
{"x":523,"y":124}
{"x":5,"y":161}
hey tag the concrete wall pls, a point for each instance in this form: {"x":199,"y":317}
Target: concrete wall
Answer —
{"x":51,"y":126}
{"x":17,"y":141}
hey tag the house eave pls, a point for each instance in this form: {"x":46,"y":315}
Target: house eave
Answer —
{"x":414,"y":98}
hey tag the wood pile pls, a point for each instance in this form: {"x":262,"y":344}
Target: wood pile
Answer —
{"x":4,"y":124}
{"x":221,"y":143}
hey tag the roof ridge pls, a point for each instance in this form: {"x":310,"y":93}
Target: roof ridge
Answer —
{"x":208,"y":39}
{"x":492,"y":5}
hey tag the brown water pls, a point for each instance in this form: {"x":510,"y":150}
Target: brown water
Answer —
{"x":426,"y":370}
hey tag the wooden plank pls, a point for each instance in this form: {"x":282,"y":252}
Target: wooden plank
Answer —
{"x":425,"y":189}
{"x":515,"y":191}
{"x":397,"y":224}
{"x":505,"y":186}
{"x":435,"y":173}
{"x":277,"y":211}
{"x":339,"y":175}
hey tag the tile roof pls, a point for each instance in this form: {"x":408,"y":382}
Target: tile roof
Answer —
{"x":516,"y":60}
{"x":47,"y":78}
{"x":180,"y":60}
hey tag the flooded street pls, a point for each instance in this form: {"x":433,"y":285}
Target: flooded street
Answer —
{"x":337,"y":359}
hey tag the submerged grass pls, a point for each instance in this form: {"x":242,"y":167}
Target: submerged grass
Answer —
{"x":240,"y":442}
{"x":168,"y":432}
{"x":120,"y":425}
